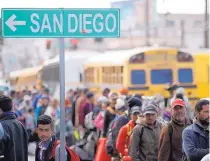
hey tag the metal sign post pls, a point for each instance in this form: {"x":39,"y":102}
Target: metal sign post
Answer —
{"x":60,"y":23}
{"x":62,"y":99}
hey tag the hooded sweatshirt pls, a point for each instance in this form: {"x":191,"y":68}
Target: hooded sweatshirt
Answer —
{"x":144,"y":145}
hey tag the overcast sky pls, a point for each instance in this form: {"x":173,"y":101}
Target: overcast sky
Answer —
{"x":173,"y":6}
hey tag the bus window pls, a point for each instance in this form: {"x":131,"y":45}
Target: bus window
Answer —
{"x":51,"y":74}
{"x":138,"y":58}
{"x":161,"y":76}
{"x":185,"y":75}
{"x":138,"y":77}
{"x":184,"y":57}
{"x":121,"y":69}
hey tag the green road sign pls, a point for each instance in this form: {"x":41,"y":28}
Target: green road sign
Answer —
{"x":60,"y":23}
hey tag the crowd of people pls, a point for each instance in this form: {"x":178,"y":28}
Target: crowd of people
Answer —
{"x":108,"y":127}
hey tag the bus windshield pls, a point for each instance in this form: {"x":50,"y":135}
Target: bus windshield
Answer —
{"x":50,"y":76}
{"x":161,"y":76}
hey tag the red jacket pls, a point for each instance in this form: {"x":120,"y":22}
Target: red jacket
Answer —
{"x":123,"y":138}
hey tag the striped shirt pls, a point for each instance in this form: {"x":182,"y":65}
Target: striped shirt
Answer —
{"x":43,"y":147}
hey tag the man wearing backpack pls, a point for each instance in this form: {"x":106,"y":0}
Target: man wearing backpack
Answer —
{"x":144,"y":138}
{"x":87,"y":107}
{"x":119,"y":121}
{"x":123,"y":138}
{"x":48,"y":148}
{"x":13,"y":135}
{"x":110,"y":113}
{"x":170,"y":147}
{"x":81,"y":100}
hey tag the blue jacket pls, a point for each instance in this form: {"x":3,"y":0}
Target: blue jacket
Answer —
{"x":35,"y":101}
{"x":195,"y":141}
{"x":13,"y":138}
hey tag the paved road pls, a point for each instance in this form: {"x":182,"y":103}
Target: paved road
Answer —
{"x":31,"y":158}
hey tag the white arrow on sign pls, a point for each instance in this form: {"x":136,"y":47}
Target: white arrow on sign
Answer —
{"x":11,"y":23}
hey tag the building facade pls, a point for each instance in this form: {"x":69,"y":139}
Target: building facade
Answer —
{"x":176,"y":30}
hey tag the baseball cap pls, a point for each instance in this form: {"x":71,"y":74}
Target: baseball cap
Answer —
{"x":113,"y":95}
{"x":178,"y":102}
{"x":102,"y":100}
{"x":120,"y":105}
{"x":89,"y":94}
{"x":135,"y":109}
{"x":137,"y":96}
{"x":44,"y":96}
{"x":133,"y":101}
{"x":85,"y":90}
{"x":123,"y":90}
{"x":106,"y":90}
{"x":150,"y":109}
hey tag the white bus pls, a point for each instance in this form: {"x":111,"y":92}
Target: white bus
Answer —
{"x":74,"y":70}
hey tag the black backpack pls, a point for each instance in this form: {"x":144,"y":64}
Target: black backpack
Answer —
{"x":110,"y":143}
{"x":113,"y":134}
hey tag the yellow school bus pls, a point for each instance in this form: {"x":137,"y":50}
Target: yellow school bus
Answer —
{"x":202,"y":69}
{"x":27,"y":77}
{"x":146,"y":71}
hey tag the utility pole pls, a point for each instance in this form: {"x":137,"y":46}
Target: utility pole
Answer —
{"x":206,"y":25}
{"x":131,"y":36}
{"x":165,"y":23}
{"x":164,"y":30}
{"x":182,"y":33}
{"x":147,"y":26}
